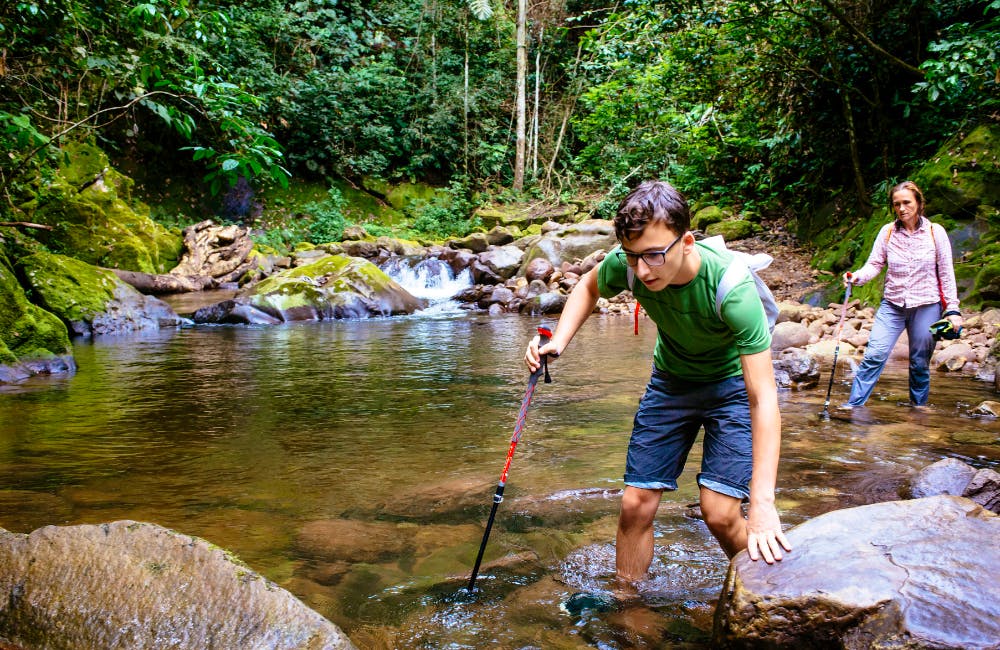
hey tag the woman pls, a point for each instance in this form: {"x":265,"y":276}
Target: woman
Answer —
{"x":919,"y":286}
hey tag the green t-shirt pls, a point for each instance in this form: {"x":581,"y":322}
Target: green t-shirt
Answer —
{"x":692,"y":341}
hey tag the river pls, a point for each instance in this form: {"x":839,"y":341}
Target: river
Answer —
{"x":255,"y":438}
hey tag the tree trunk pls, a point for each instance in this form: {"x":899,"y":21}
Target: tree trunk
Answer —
{"x":522,"y":74}
{"x":157,"y":285}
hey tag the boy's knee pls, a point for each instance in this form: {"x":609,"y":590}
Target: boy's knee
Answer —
{"x":639,"y":505}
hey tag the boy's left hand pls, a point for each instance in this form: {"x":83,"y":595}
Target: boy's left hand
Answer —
{"x":764,"y":536}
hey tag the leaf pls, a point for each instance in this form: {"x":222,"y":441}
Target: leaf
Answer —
{"x":481,"y":9}
{"x":229,"y":164}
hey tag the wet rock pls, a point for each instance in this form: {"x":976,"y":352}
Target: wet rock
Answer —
{"x":572,"y":242}
{"x":499,"y":236}
{"x":954,"y":357}
{"x":947,"y":476}
{"x":823,"y":350}
{"x":539,"y":269}
{"x":987,"y":408}
{"x":795,"y":368}
{"x":984,"y":489}
{"x":503,"y":261}
{"x":330,"y":288}
{"x":789,"y":334}
{"x":234,"y":312}
{"x":135,"y":585}
{"x":548,"y":303}
{"x":32,"y":340}
{"x":899,"y":574}
{"x":477,"y":242}
{"x":90,"y":300}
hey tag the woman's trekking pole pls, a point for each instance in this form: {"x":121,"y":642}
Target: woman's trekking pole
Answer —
{"x":836,"y":349}
{"x":544,"y":336}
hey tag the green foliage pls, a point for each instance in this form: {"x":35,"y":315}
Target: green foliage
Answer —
{"x":447,"y":214}
{"x":328,"y":220}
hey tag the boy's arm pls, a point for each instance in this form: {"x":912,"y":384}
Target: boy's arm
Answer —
{"x":764,"y":535}
{"x":579,"y":306}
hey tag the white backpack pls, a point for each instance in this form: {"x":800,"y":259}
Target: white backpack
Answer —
{"x":742,"y":264}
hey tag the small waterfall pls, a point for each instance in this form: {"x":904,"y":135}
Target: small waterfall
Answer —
{"x":428,"y":278}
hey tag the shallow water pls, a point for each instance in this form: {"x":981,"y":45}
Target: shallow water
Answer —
{"x":398,"y":428}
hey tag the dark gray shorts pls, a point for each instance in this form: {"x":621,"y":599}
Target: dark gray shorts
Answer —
{"x":670,"y":414}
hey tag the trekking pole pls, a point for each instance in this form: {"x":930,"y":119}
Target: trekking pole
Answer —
{"x":836,"y":349}
{"x":544,"y":336}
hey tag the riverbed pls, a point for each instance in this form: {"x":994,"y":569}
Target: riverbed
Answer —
{"x":255,"y":438}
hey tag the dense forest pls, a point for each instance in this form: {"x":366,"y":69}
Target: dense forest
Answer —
{"x":771,"y":106}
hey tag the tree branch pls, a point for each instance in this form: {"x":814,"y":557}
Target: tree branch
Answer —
{"x":25,"y":224}
{"x":870,"y":44}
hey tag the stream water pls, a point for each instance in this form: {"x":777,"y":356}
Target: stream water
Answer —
{"x":396,"y":430}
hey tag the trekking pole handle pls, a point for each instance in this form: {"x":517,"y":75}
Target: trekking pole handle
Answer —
{"x":544,"y":336}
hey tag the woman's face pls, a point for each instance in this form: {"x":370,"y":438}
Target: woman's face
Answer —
{"x":906,"y":207}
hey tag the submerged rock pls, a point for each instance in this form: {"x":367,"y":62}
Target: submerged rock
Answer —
{"x":135,"y":585}
{"x":902,"y":574}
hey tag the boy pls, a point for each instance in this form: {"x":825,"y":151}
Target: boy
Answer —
{"x":706,"y":371}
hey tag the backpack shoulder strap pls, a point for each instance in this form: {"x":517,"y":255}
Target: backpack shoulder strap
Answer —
{"x":733,"y":275}
{"x":630,"y":277}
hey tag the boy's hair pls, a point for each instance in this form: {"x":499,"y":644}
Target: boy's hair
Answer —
{"x":652,"y":201}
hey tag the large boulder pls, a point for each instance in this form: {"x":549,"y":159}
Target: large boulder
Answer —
{"x":900,"y":574}
{"x":95,"y":219}
{"x":337,"y":286}
{"x":571,"y":243}
{"x":32,"y":340}
{"x":135,"y":585}
{"x":91,"y":300}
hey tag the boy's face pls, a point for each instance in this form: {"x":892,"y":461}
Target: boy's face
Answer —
{"x":656,"y":238}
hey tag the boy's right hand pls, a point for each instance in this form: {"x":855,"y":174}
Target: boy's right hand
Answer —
{"x":533,"y":355}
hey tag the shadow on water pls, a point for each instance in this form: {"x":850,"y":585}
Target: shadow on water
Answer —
{"x":354,"y":464}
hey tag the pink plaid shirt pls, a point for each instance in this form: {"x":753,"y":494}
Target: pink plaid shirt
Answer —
{"x":916,"y":263}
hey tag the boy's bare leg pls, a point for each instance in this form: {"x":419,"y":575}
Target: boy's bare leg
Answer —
{"x":724,"y":518}
{"x":634,"y":541}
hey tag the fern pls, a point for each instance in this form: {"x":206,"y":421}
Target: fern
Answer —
{"x":481,"y":9}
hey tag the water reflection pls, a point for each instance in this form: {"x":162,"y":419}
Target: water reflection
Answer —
{"x":399,"y":427}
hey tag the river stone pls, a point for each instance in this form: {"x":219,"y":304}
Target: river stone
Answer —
{"x":135,"y":585}
{"x":333,"y":287}
{"x":571,"y":243}
{"x":795,"y":368}
{"x":947,"y":476}
{"x":789,"y":335}
{"x":902,"y":574}
{"x":984,"y":489}
{"x":350,"y":540}
{"x":504,"y":261}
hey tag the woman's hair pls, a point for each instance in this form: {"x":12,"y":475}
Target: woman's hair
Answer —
{"x":917,"y":194}
{"x":652,"y":201}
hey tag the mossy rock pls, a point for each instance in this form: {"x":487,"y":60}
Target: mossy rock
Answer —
{"x":709,"y":215}
{"x":94,"y":218}
{"x":733,"y":229}
{"x":337,"y":286}
{"x":963,"y":174}
{"x":27,"y":331}
{"x":73,"y":290}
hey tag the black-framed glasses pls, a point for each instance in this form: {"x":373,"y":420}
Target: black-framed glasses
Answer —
{"x":651,"y":258}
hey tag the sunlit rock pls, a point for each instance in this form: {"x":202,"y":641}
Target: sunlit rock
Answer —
{"x":946,"y":476}
{"x":913,"y":574}
{"x":139,"y":586}
{"x":572,"y":242}
{"x":503,"y":261}
{"x":789,"y":335}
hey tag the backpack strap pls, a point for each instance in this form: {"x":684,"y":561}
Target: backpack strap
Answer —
{"x":734,"y":274}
